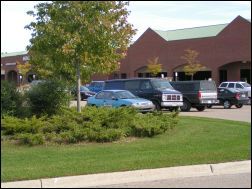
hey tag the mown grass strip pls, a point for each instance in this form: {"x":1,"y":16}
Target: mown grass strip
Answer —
{"x":193,"y":141}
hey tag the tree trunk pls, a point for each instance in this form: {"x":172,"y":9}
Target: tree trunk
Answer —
{"x":78,"y":88}
{"x":192,"y":77}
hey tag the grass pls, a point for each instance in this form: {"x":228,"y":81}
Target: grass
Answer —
{"x":194,"y":141}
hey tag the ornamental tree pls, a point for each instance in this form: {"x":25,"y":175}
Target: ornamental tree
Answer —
{"x":23,"y":68}
{"x":73,"y":40}
{"x":154,"y":67}
{"x":193,"y":65}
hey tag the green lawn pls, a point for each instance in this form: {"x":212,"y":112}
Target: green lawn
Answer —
{"x":194,"y":141}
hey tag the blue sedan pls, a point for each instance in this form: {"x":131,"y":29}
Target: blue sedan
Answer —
{"x":120,"y":98}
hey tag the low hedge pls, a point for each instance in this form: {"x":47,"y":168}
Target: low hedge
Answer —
{"x":91,"y":125}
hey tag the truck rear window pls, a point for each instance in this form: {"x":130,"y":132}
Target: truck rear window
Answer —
{"x":207,"y":85}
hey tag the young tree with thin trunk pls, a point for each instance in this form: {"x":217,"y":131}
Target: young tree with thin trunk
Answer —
{"x":193,"y":65}
{"x":73,"y":40}
{"x":23,"y":69}
{"x":154,"y":67}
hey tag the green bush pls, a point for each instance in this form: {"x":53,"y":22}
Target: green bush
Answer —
{"x":91,"y":125}
{"x":47,"y":98}
{"x":11,"y":99}
{"x":31,"y":139}
{"x":153,"y":124}
{"x":12,"y":125}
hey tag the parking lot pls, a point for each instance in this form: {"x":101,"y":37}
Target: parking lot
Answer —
{"x":236,"y":114}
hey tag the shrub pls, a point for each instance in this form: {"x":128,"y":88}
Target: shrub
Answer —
{"x":31,"y":139}
{"x":153,"y":124}
{"x":47,"y":98}
{"x":11,"y":99}
{"x":92,"y":124}
{"x":12,"y":125}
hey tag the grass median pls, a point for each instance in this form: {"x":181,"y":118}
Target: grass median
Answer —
{"x":193,"y":141}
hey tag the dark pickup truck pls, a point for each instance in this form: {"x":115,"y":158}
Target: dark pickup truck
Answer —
{"x":196,"y":94}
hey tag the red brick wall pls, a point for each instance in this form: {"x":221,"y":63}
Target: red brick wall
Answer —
{"x":230,"y":45}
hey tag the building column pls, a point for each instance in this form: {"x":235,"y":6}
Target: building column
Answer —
{"x":233,"y":72}
{"x":170,"y":74}
{"x":215,"y":76}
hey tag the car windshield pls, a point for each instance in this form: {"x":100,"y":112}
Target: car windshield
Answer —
{"x":125,"y":95}
{"x":82,"y":88}
{"x":246,"y":84}
{"x":161,"y":84}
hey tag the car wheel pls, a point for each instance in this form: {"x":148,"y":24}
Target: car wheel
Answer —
{"x":157,"y":105}
{"x":239,"y":105}
{"x":186,"y":106}
{"x":200,"y":108}
{"x":209,"y":106}
{"x":227,"y":104}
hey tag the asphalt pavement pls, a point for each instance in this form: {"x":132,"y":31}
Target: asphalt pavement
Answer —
{"x":235,"y":114}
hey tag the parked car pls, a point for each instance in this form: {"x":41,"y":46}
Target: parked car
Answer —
{"x":36,"y":82}
{"x":229,"y":97}
{"x":239,"y":85}
{"x":196,"y":94}
{"x":96,"y":86}
{"x":120,"y":98}
{"x":159,"y":91}
{"x":84,"y":92}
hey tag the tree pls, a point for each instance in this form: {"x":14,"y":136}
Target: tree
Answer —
{"x":23,"y":69}
{"x":193,"y":65}
{"x":79,"y":38}
{"x":154,"y":67}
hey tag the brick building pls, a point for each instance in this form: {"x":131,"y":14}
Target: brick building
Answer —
{"x":9,"y":70}
{"x":224,"y":50}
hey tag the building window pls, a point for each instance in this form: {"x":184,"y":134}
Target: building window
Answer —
{"x":123,"y":76}
{"x":115,"y":76}
{"x":223,"y":75}
{"x":140,"y":74}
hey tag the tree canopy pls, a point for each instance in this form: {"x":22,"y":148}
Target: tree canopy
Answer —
{"x":193,"y":65}
{"x":79,"y":38}
{"x":154,"y":67}
{"x":91,"y":34}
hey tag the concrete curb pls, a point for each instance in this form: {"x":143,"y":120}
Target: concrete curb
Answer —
{"x":135,"y":176}
{"x":22,"y":184}
{"x":232,"y":167}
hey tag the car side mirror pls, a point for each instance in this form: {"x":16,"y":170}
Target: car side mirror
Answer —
{"x":114,"y":98}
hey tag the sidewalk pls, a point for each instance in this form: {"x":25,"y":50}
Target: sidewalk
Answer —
{"x":134,"y":176}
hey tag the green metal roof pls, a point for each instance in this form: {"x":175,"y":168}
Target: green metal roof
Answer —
{"x":191,"y":33}
{"x":13,"y":54}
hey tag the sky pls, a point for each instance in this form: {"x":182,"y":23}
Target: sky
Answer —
{"x":158,"y":15}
